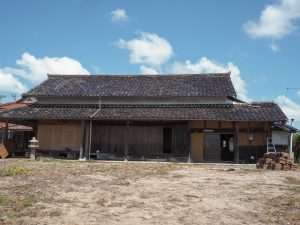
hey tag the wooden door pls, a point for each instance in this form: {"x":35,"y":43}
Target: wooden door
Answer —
{"x":212,"y":147}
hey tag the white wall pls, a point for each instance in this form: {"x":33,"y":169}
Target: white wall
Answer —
{"x":280,"y":137}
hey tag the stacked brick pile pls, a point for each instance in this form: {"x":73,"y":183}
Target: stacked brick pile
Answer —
{"x":276,"y":161}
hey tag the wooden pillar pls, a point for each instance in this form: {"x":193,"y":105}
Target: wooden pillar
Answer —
{"x":88,"y":153}
{"x":37,"y":129}
{"x":236,"y":143}
{"x":87,"y":141}
{"x":82,"y":140}
{"x":126,"y":140}
{"x":189,"y":141}
{"x":269,"y":129}
{"x":173,"y":142}
{"x":5,"y":136}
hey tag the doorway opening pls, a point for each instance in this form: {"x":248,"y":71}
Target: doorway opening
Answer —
{"x":167,"y":140}
{"x":227,"y":147}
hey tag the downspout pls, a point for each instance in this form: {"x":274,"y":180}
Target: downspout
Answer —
{"x":291,"y":141}
{"x":90,"y":132}
{"x":291,"y":145}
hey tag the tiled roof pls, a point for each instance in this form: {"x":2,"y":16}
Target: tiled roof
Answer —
{"x":222,"y":112}
{"x":9,"y":105}
{"x":15,"y":127}
{"x":209,"y":85}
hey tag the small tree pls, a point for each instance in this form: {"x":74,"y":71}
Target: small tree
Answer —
{"x":2,"y":96}
{"x":297,"y":148}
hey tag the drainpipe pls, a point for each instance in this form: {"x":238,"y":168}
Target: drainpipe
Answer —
{"x":90,"y":133}
{"x":291,"y":141}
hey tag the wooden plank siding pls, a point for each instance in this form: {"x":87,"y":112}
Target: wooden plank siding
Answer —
{"x":146,"y":138}
{"x":108,"y":139}
{"x":181,"y":140}
{"x":143,"y":140}
{"x":59,"y":137}
{"x":247,"y":148}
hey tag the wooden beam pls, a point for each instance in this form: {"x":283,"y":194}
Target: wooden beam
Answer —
{"x":126,"y":140}
{"x":189,"y":141}
{"x":82,"y":139}
{"x":236,"y":143}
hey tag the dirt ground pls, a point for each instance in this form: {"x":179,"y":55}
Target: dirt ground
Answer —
{"x":51,"y":191}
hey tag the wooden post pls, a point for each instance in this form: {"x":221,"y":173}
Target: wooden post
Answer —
{"x":82,"y":140}
{"x":236,"y":143}
{"x":189,"y":141}
{"x":87,"y":141}
{"x":5,"y":136}
{"x":173,"y":142}
{"x":90,"y":140}
{"x":269,"y":129}
{"x":126,"y":140}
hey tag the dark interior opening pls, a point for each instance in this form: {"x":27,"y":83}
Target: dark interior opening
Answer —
{"x":167,"y":140}
{"x":227,"y":147}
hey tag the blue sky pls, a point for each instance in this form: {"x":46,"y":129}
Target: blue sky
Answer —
{"x":257,"y":40}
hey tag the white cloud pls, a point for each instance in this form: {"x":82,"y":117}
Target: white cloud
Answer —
{"x":148,"y":49}
{"x":35,"y":69}
{"x":30,"y":69}
{"x":119,"y":15}
{"x":9,"y":83}
{"x":148,"y":70}
{"x":261,"y":79}
{"x":274,"y":47}
{"x":205,"y":65}
{"x":276,"y":20}
{"x":289,"y":107}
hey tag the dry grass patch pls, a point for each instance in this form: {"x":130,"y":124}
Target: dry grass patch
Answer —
{"x":5,"y":201}
{"x":14,"y":170}
{"x":102,"y":201}
{"x":18,"y":207}
{"x":126,"y":170}
{"x":293,"y":180}
{"x":54,"y":213}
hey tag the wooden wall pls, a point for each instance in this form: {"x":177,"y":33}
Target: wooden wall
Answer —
{"x":197,"y":146}
{"x":108,"y":139}
{"x":59,"y":136}
{"x":143,"y":140}
{"x":180,"y":140}
{"x":247,"y":148}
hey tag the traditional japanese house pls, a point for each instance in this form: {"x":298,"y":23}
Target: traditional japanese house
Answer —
{"x":175,"y":117}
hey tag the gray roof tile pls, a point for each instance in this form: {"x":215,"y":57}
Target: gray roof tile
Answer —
{"x":221,"y":112}
{"x":209,"y":85}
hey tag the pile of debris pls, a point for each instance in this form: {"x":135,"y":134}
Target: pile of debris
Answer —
{"x":276,"y":161}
